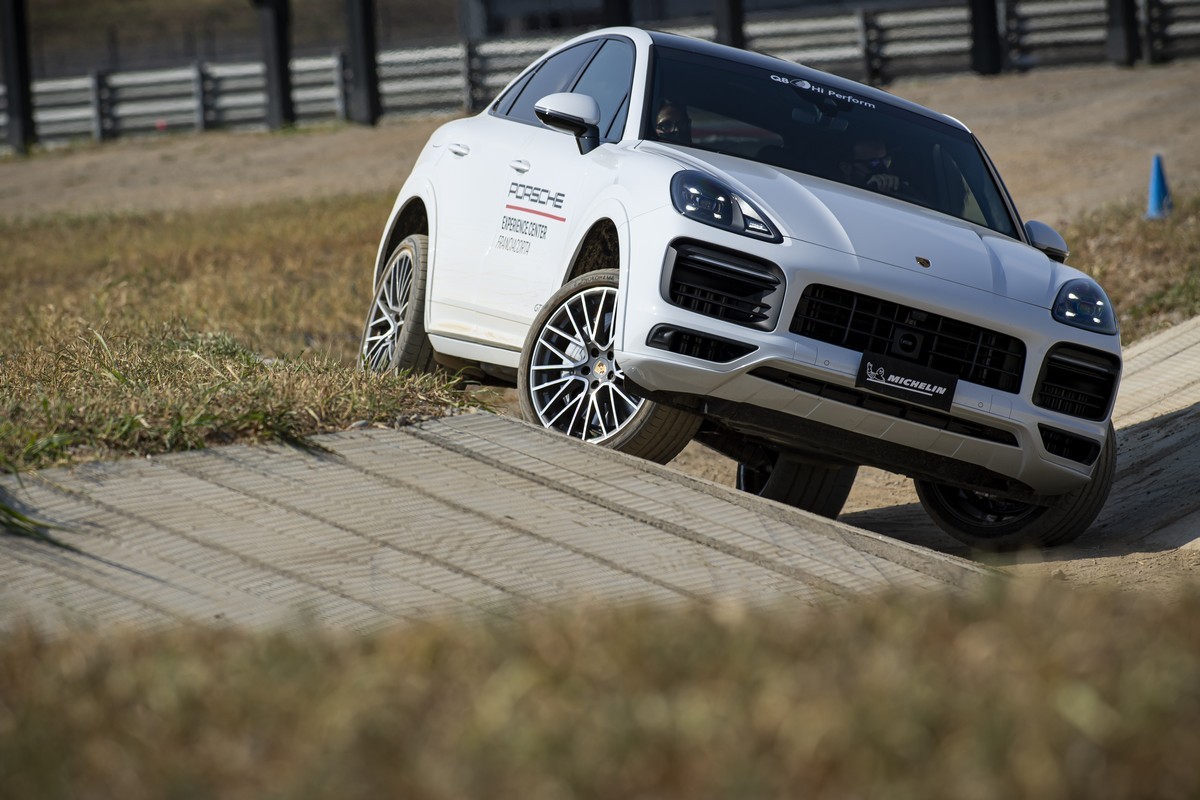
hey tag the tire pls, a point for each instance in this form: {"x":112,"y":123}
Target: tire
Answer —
{"x":568,"y":380}
{"x":991,"y":523}
{"x":820,"y":489}
{"x":394,"y":335}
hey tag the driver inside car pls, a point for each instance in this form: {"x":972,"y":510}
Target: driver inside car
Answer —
{"x":871,"y":168}
{"x":672,"y":124}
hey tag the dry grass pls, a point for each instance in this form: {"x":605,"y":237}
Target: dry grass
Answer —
{"x":1150,"y":268}
{"x":285,"y":278}
{"x":148,"y":333}
{"x":1022,"y":692}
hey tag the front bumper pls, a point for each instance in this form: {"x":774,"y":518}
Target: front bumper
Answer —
{"x":757,"y":377}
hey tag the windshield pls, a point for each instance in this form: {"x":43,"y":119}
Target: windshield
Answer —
{"x":776,"y":117}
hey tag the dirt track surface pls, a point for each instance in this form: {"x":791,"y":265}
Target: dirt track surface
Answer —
{"x":1066,"y":140}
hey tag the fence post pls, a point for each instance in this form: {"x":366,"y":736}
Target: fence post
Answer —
{"x":729,"y":18}
{"x":471,"y":78}
{"x":474,"y":21}
{"x":1122,"y":40}
{"x":1013,"y":23}
{"x":364,"y":73}
{"x":341,"y":68}
{"x":18,"y":81}
{"x":274,"y":17}
{"x":618,"y":12}
{"x":870,"y":42}
{"x":987,"y":54}
{"x":1154,"y":29}
{"x":103,"y":122}
{"x":202,"y":92}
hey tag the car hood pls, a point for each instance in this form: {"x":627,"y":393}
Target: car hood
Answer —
{"x":893,"y":232}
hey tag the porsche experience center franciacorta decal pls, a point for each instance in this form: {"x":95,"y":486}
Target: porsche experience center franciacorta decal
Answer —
{"x":517,"y":233}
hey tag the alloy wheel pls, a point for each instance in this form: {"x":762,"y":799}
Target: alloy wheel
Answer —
{"x":576,"y":385}
{"x":387,"y":315}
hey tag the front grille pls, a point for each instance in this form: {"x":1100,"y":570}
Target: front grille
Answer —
{"x":1077,"y":382}
{"x":1068,"y":445}
{"x":884,"y":405}
{"x":867,"y":324}
{"x":697,"y":345}
{"x":723,"y":285}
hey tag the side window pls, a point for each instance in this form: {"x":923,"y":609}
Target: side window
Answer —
{"x":504,"y":102}
{"x":968,"y":195}
{"x":608,"y":79}
{"x":555,"y":75}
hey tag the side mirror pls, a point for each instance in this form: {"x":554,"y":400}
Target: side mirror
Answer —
{"x":578,"y":114}
{"x":1048,"y":240}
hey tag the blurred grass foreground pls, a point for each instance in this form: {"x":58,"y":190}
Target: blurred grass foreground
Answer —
{"x":1027,"y":691}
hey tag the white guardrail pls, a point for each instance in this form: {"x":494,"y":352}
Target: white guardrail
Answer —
{"x":870,"y":46}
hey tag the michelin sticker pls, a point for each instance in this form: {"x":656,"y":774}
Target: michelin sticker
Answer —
{"x":905,"y":380}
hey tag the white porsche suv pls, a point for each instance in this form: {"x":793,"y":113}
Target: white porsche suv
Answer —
{"x":658,"y":239}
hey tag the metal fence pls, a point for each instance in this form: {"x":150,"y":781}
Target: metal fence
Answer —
{"x":875,"y":47}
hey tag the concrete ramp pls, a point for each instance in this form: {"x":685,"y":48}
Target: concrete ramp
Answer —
{"x":475,"y":514}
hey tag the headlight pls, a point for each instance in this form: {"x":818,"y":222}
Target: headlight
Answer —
{"x":1084,"y":304}
{"x":705,"y":199}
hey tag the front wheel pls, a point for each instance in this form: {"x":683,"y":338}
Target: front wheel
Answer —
{"x":821,"y":489}
{"x":394,"y":336}
{"x":569,"y":380}
{"x":987,"y":522}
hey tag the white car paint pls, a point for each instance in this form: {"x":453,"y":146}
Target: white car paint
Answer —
{"x":509,"y":203}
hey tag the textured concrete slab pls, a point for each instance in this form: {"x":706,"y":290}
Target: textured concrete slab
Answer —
{"x":472,"y":514}
{"x":1154,"y":504}
{"x":481,"y":514}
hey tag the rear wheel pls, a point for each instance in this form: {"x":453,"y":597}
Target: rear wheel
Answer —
{"x":394,"y":336}
{"x":569,"y":381}
{"x":820,"y":489}
{"x":988,"y":522}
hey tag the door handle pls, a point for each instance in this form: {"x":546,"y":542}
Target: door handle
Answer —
{"x":519,"y":165}
{"x":458,"y":149}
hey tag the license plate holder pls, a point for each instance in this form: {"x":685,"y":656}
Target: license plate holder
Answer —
{"x":904,"y":380}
